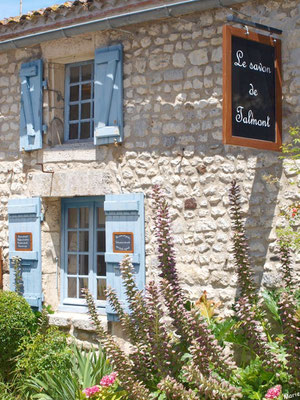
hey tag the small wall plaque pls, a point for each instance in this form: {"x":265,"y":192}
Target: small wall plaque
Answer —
{"x":123,"y":242}
{"x":23,"y":241}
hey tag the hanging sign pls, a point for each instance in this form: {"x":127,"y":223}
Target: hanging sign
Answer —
{"x":23,"y":241}
{"x":251,"y":89}
{"x":123,"y":242}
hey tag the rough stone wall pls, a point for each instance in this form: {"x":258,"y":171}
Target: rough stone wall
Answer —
{"x":173,"y":137}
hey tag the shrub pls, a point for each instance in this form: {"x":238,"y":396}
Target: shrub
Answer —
{"x":16,"y":322}
{"x":43,"y":352}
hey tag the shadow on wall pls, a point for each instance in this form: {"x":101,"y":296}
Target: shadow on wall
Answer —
{"x":261,"y":217}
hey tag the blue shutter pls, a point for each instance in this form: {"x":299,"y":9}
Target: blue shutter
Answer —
{"x":108,"y":96}
{"x":31,"y":75}
{"x":24,"y":215}
{"x":124,"y":213}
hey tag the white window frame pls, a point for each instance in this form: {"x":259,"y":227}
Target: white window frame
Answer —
{"x":68,"y":103}
{"x":79,"y":304}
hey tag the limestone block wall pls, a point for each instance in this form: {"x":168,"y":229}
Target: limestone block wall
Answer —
{"x":173,"y":137}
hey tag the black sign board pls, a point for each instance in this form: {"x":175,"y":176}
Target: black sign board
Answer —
{"x":23,"y":241}
{"x":252,"y":89}
{"x":123,"y":242}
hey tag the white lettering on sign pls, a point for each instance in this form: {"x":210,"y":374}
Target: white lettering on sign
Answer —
{"x":239,"y":55}
{"x":260,"y":67}
{"x":252,"y":91}
{"x":255,"y":67}
{"x":248,"y":118}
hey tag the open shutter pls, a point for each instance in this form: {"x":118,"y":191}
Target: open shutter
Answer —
{"x":124,"y":213}
{"x":108,"y":96}
{"x":24,"y":220}
{"x":31,"y":75}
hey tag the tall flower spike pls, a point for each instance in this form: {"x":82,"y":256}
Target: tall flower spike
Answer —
{"x":210,"y":387}
{"x":255,"y":334}
{"x":240,"y":246}
{"x":166,"y":253}
{"x":152,"y":352}
{"x":165,"y":357}
{"x":286,"y":270}
{"x":194,"y":331}
{"x":118,"y":358}
{"x":291,"y":330}
{"x":175,"y":390}
{"x":141,"y":361}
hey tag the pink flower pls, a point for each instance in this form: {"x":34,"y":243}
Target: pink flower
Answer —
{"x":108,"y":380}
{"x":274,"y":392}
{"x":91,"y":390}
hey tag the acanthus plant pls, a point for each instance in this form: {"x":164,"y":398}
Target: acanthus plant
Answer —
{"x":250,"y":312}
{"x":186,"y":361}
{"x":161,"y":360}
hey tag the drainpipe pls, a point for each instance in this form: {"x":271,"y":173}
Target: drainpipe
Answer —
{"x":117,"y":21}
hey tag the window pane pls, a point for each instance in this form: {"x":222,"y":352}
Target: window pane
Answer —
{"x":83,"y":265}
{"x":101,"y":266}
{"x":84,"y":217}
{"x":101,"y":286}
{"x":85,"y":130}
{"x":72,"y":287}
{"x":100,"y":218}
{"x":72,"y":241}
{"x":72,"y":264}
{"x":74,"y":74}
{"x":86,"y":91}
{"x":74,"y":93}
{"x":73,"y":131}
{"x":86,"y":72}
{"x":74,"y":112}
{"x":101,"y":241}
{"x":83,"y":241}
{"x":85,"y":110}
{"x":83,"y":284}
{"x":72,"y":217}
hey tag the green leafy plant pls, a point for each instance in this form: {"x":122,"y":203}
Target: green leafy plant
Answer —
{"x":16,"y":322}
{"x":42,"y":352}
{"x":86,"y":369}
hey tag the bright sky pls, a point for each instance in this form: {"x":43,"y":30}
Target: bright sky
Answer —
{"x":11,"y":8}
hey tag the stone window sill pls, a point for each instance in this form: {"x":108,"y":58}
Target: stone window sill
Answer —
{"x":67,"y":320}
{"x":85,"y":151}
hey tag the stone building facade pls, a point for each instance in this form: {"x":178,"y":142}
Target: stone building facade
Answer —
{"x":172,"y":111}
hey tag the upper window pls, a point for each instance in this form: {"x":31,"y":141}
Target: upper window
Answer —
{"x":93,"y":108}
{"x":79,"y":104}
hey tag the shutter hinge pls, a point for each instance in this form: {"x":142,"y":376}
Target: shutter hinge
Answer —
{"x":45,"y":84}
{"x":42,"y":217}
{"x":44,"y":128}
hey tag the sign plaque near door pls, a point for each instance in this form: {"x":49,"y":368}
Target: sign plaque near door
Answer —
{"x":123,"y":242}
{"x":23,"y":241}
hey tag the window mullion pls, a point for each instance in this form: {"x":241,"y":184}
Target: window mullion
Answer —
{"x":92,"y":277}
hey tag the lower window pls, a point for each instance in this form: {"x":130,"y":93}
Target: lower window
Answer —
{"x":83,"y":248}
